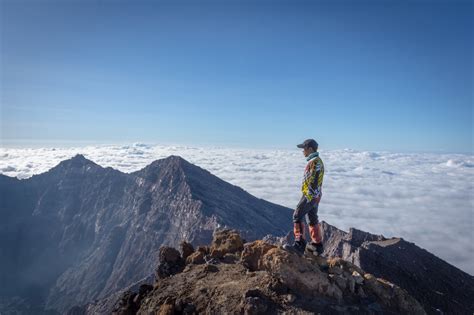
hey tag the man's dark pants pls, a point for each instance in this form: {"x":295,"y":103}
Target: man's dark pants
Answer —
{"x":309,"y":209}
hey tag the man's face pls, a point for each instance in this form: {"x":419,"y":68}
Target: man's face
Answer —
{"x":307,"y":151}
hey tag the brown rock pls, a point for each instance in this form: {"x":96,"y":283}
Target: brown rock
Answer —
{"x":166,"y":309}
{"x":224,"y":242}
{"x":252,"y":254}
{"x":195,"y":258}
{"x":203,"y":249}
{"x":186,"y":249}
{"x":274,"y":280}
{"x":169,"y":254}
{"x":171,"y":262}
{"x":299,"y":274}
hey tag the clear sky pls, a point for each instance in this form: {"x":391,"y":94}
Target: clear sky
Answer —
{"x":370,"y":75}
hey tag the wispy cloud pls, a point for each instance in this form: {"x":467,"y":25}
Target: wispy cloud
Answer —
{"x":424,"y":198}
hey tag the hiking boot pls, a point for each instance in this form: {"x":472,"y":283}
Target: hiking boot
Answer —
{"x":316,"y":248}
{"x":298,"y":247}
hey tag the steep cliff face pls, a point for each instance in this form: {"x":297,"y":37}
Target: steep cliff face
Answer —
{"x":80,"y":231}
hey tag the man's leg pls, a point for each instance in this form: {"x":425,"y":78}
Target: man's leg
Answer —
{"x":315,"y":230}
{"x":299,"y":228}
{"x":298,"y":216}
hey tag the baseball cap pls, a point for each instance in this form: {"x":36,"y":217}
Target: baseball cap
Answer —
{"x":308,"y":143}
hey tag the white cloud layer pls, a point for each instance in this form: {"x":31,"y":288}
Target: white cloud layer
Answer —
{"x":424,"y":198}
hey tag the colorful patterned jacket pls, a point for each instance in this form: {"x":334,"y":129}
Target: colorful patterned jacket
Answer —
{"x":313,"y":178}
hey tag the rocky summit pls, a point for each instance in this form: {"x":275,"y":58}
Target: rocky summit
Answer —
{"x":232,"y":277}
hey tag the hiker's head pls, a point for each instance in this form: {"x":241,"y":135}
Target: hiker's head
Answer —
{"x":309,"y":146}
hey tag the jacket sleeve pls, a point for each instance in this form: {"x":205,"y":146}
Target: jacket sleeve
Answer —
{"x":312,"y":181}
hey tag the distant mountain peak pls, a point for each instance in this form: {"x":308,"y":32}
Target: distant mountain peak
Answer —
{"x":171,"y":160}
{"x":175,"y":158}
{"x":78,"y":161}
{"x":171,"y":165}
{"x":79,"y":157}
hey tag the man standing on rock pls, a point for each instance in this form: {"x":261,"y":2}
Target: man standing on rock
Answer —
{"x":309,"y":202}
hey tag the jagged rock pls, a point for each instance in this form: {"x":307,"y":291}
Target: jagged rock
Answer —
{"x":393,"y":296}
{"x":186,"y":249}
{"x":279,"y":240}
{"x":253,"y":253}
{"x":338,"y":265}
{"x":438,"y":286}
{"x":225,"y":242}
{"x":195,"y":258}
{"x":171,"y":262}
{"x":298,"y":274}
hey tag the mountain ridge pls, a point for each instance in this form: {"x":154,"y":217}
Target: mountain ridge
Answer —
{"x":99,"y":224}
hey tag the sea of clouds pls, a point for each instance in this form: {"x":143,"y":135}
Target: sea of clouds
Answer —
{"x":425,"y":198}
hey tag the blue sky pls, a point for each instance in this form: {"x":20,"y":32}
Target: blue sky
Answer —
{"x":369,"y":75}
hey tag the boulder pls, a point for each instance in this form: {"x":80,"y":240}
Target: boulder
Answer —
{"x":298,"y":274}
{"x":253,"y":253}
{"x":186,"y":249}
{"x":171,"y":262}
{"x":225,"y":242}
{"x":393,"y":296}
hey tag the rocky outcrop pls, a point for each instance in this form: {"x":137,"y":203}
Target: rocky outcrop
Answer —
{"x":437,"y":285}
{"x":267,"y":280}
{"x":171,"y":262}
